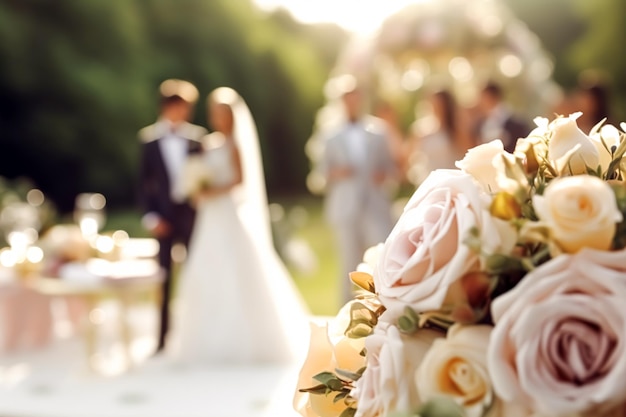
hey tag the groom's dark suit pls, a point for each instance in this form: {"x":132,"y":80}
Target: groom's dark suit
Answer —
{"x":156,"y":198}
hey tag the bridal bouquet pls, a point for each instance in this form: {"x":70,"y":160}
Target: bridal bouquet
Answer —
{"x":196,"y":176}
{"x":500,"y":292}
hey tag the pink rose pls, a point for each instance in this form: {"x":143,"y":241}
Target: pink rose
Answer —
{"x":559,"y":343}
{"x":388,"y":383}
{"x":425,"y":253}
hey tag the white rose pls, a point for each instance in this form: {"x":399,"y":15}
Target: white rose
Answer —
{"x":611,"y":137}
{"x":534,"y":148}
{"x":388,"y":383}
{"x":579,"y":211}
{"x":479,"y":163}
{"x":570,"y":150}
{"x":370,"y":259}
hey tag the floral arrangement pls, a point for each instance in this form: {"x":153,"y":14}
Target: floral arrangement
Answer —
{"x":499,"y":292}
{"x":196,"y":176}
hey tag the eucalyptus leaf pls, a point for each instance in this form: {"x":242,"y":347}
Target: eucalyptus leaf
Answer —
{"x":441,"y":407}
{"x":406,"y":325}
{"x":341,"y":396}
{"x":335,"y":384}
{"x":325,"y":377}
{"x":318,"y":389}
{"x":354,"y":376}
{"x":410,"y":313}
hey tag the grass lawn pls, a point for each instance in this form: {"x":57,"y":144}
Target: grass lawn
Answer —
{"x":303,"y":221}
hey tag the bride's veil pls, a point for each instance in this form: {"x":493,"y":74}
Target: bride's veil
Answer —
{"x":251,"y":195}
{"x":253,"y":209}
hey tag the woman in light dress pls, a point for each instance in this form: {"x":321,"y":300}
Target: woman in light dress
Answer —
{"x":237,"y":303}
{"x":439,"y":143}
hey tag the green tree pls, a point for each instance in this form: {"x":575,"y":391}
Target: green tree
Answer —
{"x":79,"y":78}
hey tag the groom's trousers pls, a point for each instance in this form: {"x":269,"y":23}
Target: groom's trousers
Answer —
{"x":182,"y":226}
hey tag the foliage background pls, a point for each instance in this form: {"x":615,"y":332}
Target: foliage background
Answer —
{"x":79,"y":78}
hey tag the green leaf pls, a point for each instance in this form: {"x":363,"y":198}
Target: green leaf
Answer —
{"x":354,"y":376}
{"x":441,"y":407}
{"x":325,"y":377}
{"x":410,"y":313}
{"x":317,"y":390}
{"x":406,"y":325}
{"x":341,"y":396}
{"x":335,"y":385}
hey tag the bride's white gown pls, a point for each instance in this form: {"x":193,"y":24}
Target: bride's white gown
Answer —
{"x":236,"y":302}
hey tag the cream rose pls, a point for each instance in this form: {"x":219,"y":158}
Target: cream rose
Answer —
{"x":425,"y":254}
{"x":388,"y":383}
{"x":580,"y":211}
{"x":559,"y":341}
{"x":457,"y":367}
{"x":328,"y":350}
{"x":611,"y":138}
{"x":479,"y":163}
{"x":570,"y":150}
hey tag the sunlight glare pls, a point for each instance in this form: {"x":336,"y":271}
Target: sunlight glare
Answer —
{"x":353,"y":15}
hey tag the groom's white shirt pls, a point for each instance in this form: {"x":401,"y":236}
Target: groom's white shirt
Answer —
{"x":174,"y":152}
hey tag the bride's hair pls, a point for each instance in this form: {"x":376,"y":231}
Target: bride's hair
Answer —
{"x":224,"y":95}
{"x":224,"y":98}
{"x":251,"y":195}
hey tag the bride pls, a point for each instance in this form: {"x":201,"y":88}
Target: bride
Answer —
{"x":237,"y":303}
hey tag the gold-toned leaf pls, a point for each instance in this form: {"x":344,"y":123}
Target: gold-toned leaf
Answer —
{"x":360,"y":312}
{"x":358,"y":331}
{"x":504,"y":206}
{"x":363,"y":280}
{"x":348,"y":412}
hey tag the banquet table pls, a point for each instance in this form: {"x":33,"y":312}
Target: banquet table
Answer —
{"x":126,"y":282}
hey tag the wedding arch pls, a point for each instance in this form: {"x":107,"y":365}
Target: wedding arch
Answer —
{"x":455,"y":44}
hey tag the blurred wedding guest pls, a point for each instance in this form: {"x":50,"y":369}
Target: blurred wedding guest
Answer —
{"x":395,"y":137}
{"x":165,"y":147}
{"x":357,"y":164}
{"x":497,"y":121}
{"x":437,"y":141}
{"x":592,"y":99}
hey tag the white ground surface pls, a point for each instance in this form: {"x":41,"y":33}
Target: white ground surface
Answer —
{"x":57,"y":381}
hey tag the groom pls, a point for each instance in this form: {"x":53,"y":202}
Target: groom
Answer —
{"x":165,"y":147}
{"x":357,"y":164}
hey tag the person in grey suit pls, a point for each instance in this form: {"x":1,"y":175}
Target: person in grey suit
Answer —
{"x":164,"y":150}
{"x":357,"y":164}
